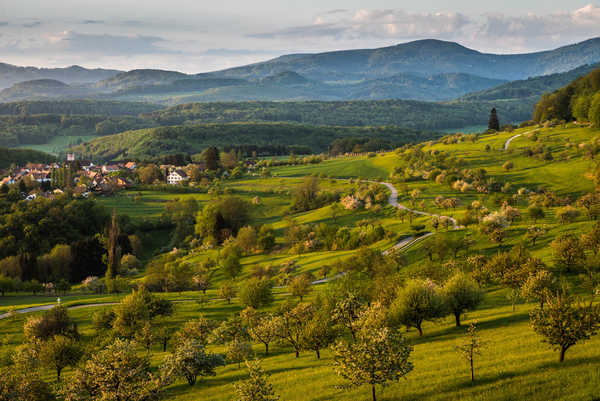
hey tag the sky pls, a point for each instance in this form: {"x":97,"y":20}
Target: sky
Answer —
{"x":205,"y":35}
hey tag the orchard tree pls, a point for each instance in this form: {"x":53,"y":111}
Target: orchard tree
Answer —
{"x":238,"y":351}
{"x":346,"y":311}
{"x":16,"y":384}
{"x":320,"y":332}
{"x":563,"y":324}
{"x":114,"y":373}
{"x":538,"y":285}
{"x":292,"y":320}
{"x":535,"y":232}
{"x":146,"y":336}
{"x":198,"y":330}
{"x":471,"y":347}
{"x":461,"y":294}
{"x":190,"y":360}
{"x":257,"y":387}
{"x":300,"y":286}
{"x":418,"y":301}
{"x":378,"y":356}
{"x":60,"y":352}
{"x":568,"y":253}
{"x":535,"y":213}
{"x":262,"y":327}
{"x":567,"y":214}
{"x":227,"y":292}
{"x":256,"y":293}
{"x":247,"y":239}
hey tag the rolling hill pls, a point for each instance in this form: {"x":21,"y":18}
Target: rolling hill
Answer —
{"x":12,"y":74}
{"x":151,"y":143}
{"x":426,"y":57}
{"x":427,"y":70}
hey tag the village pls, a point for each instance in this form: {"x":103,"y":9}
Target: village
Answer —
{"x":83,"y":177}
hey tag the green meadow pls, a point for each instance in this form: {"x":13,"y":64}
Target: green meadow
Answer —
{"x":514,"y":363}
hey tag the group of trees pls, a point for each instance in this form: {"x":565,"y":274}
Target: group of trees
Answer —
{"x":577,"y":101}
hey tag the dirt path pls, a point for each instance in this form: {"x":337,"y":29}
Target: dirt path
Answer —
{"x":393,"y":201}
{"x":509,"y":140}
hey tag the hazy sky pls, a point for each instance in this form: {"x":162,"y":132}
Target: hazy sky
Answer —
{"x":200,"y":35}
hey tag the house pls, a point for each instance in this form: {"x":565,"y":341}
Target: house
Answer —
{"x":130,"y":165}
{"x":176,"y":176}
{"x":110,"y":168}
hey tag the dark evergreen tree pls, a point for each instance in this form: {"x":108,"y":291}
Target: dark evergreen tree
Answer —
{"x":113,"y":259}
{"x":494,"y":123}
{"x":211,"y":158}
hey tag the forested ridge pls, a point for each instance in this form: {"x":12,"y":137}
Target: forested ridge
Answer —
{"x":153,"y":142}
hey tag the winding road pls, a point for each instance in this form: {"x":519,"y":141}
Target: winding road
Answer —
{"x":402,"y":245}
{"x":509,"y":140}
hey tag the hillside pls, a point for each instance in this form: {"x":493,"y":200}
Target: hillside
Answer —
{"x":134,"y":78}
{"x":190,"y":139}
{"x":579,"y":100}
{"x":21,"y":157}
{"x":427,"y":57}
{"x":12,"y":74}
{"x":81,"y":106}
{"x":402,"y":113}
{"x":515,"y":362}
{"x":531,"y":87}
{"x":42,"y":89}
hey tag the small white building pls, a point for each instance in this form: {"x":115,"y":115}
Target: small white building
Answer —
{"x":176,"y":176}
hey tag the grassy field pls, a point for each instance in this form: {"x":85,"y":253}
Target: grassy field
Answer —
{"x":515,"y":364}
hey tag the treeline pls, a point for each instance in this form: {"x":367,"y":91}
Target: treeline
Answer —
{"x":403,"y":113}
{"x":30,"y":129}
{"x":71,"y":107}
{"x":148,"y":144}
{"x":358,"y":145}
{"x":580,"y":100}
{"x":21,"y":157}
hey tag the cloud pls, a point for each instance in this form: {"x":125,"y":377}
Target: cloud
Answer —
{"x":32,"y":24}
{"x":493,"y":30}
{"x":237,"y":52}
{"x":107,"y":45}
{"x":584,"y":21}
{"x":375,"y":24}
{"x":92,"y":22}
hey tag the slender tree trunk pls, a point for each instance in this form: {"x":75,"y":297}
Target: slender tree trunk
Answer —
{"x":457,"y":317}
{"x":297,"y":354}
{"x":165,"y":345}
{"x":472,"y":371}
{"x":318,"y":354}
{"x":373,"y":393}
{"x":419,"y":330}
{"x":58,"y":371}
{"x":266,"y":348}
{"x":561,"y":358}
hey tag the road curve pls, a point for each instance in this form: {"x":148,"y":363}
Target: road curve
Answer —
{"x":509,"y":140}
{"x":393,"y":201}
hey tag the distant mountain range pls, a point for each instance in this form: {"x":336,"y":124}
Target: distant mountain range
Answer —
{"x":423,"y":57}
{"x":12,"y":74}
{"x":425,"y":70}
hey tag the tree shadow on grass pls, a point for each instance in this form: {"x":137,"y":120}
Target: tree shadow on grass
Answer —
{"x":570,"y":362}
{"x":487,"y":380}
{"x":454,"y":332}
